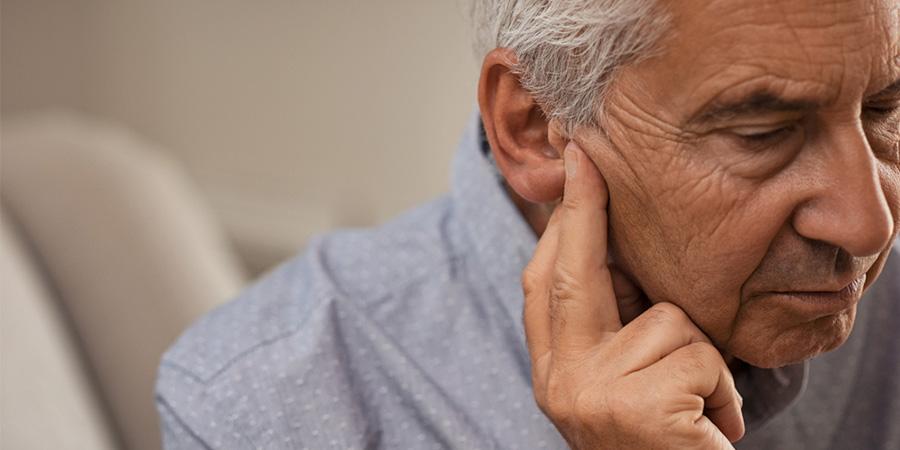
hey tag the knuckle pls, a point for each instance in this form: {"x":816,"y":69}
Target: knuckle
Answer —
{"x":565,"y":286}
{"x":669,"y":311}
{"x":531,"y":281}
{"x":704,"y":355}
{"x":665,"y":313}
{"x":559,"y":401}
{"x":570,"y":203}
{"x":729,"y":380}
{"x":540,"y":395}
{"x":557,"y":409}
{"x":564,"y":291}
{"x":707,"y":352}
{"x":584,"y":409}
{"x":540,"y":382}
{"x":556,"y":392}
{"x":620,"y":410}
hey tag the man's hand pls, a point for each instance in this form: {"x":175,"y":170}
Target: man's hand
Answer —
{"x":656,"y":382}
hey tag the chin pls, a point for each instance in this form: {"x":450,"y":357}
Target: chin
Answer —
{"x":770,"y":348}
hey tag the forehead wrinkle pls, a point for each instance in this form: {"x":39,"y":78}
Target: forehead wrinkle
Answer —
{"x":629,"y":112}
{"x":842,"y":55}
{"x":872,"y":58}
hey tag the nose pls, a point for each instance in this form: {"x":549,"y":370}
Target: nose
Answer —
{"x":847,"y":207}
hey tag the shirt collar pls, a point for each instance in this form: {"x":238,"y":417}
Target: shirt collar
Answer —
{"x":504,"y":243}
{"x":498,"y":234}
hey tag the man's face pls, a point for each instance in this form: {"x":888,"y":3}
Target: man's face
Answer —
{"x":754,"y":168}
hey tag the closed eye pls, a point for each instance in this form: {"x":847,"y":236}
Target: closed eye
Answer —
{"x":760,"y":136}
{"x":764,"y":136}
{"x":880,"y":110}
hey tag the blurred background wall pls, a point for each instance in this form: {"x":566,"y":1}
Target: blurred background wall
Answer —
{"x":293,"y":117}
{"x":189,"y":138}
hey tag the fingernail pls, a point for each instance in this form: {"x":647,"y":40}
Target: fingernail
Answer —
{"x":571,"y":162}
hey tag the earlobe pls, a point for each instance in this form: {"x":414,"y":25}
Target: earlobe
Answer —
{"x":526,"y":145}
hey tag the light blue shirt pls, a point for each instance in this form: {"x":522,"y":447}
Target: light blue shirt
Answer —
{"x":409,"y":336}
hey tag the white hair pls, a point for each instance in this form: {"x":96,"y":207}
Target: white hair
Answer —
{"x":568,"y":50}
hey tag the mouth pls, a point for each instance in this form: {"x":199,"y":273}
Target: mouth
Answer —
{"x":814,"y":304}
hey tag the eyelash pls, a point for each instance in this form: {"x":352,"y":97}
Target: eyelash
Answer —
{"x":775,"y":136}
{"x":768,"y":137}
{"x":880,"y":110}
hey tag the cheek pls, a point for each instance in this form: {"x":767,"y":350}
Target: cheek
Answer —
{"x":721,"y":238}
{"x":693,"y":236}
{"x":688,"y":224}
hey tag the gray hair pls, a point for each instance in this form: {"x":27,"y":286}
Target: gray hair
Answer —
{"x":568,"y":50}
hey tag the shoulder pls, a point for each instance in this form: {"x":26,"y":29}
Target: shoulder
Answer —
{"x":350,"y":266}
{"x":307,"y":322}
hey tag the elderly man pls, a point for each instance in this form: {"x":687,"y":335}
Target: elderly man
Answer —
{"x":729,"y":174}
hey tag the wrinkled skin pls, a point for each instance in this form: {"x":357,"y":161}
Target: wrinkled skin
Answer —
{"x":718,"y":214}
{"x":744,"y":180}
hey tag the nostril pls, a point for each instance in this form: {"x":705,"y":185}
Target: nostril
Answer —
{"x":843,"y":262}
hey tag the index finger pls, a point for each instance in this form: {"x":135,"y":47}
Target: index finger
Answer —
{"x":536,"y":280}
{"x":583,"y":303}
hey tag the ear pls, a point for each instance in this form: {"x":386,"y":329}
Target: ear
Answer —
{"x":527,"y":147}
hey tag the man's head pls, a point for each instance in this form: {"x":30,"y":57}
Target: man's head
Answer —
{"x":751,"y":149}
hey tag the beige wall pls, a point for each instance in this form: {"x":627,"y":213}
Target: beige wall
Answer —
{"x":293,"y":116}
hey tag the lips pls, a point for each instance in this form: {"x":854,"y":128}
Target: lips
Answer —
{"x":819,"y":303}
{"x":853,"y":284}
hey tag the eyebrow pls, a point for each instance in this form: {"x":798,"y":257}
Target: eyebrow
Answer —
{"x":758,"y":102}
